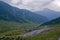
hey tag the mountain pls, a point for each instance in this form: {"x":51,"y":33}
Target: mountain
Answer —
{"x":53,"y":22}
{"x":50,"y":14}
{"x":10,"y":13}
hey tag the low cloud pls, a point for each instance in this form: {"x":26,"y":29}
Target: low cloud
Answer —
{"x":55,"y":5}
{"x":35,"y":5}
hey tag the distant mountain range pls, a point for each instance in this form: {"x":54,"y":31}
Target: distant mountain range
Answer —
{"x":10,"y":13}
{"x":53,"y":22}
{"x":50,"y":14}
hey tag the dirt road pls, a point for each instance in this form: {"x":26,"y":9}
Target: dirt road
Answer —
{"x":35,"y":32}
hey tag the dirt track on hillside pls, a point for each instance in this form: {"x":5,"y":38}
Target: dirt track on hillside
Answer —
{"x":35,"y":32}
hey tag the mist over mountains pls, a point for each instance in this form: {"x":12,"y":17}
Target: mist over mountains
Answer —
{"x":10,"y":13}
{"x":18,"y":24}
{"x":50,"y":14}
{"x":52,"y":22}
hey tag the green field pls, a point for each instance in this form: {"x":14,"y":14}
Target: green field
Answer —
{"x":10,"y":30}
{"x":14,"y":28}
{"x":53,"y":34}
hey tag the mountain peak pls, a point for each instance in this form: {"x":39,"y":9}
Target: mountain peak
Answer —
{"x":2,"y":2}
{"x":50,"y":14}
{"x":10,"y":13}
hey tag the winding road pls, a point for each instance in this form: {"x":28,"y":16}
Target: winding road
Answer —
{"x":35,"y":32}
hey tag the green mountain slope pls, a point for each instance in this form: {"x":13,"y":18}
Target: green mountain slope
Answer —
{"x":16,"y":21}
{"x":14,"y":28}
{"x":53,"y":22}
{"x":52,"y":34}
{"x":10,"y":13}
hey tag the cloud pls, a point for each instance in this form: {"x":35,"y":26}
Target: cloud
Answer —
{"x":15,"y":1}
{"x":55,"y":5}
{"x":6,"y":1}
{"x":33,"y":5}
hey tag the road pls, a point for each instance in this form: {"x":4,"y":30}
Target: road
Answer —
{"x":35,"y":32}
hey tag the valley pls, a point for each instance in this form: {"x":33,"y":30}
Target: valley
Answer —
{"x":22,"y":24}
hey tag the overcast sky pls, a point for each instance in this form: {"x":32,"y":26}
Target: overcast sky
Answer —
{"x":35,"y":5}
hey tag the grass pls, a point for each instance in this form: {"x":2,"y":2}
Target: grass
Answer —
{"x":53,"y":34}
{"x":14,"y":29}
{"x":13,"y":33}
{"x":10,"y":28}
